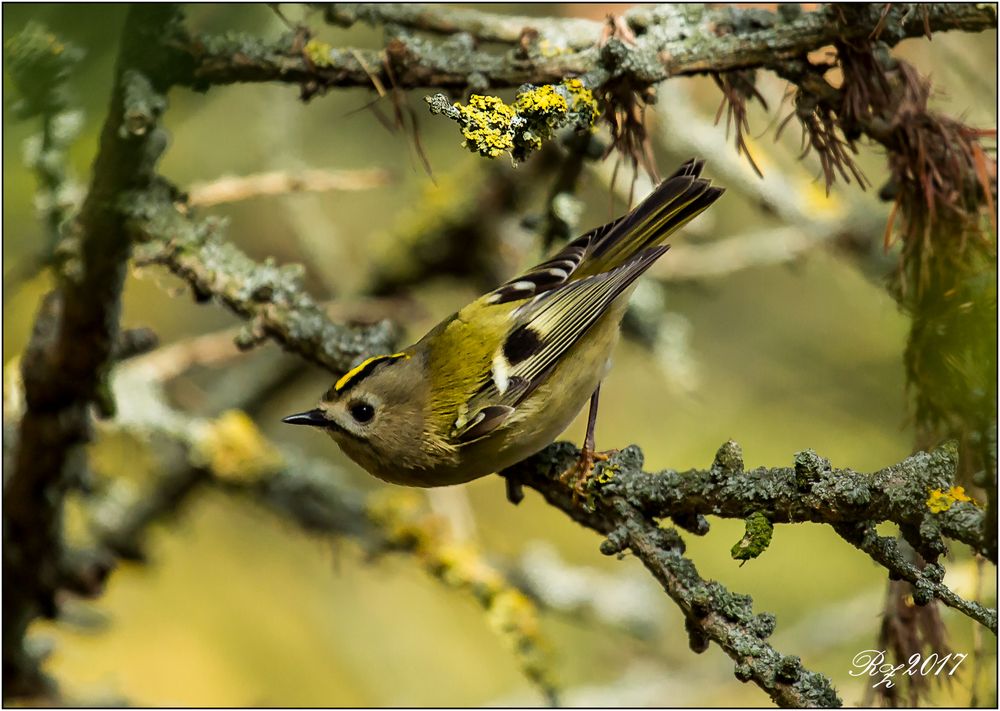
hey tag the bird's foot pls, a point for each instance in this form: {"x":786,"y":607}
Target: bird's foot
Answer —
{"x":579,"y":475}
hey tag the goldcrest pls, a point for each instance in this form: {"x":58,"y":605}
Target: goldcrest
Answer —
{"x":499,"y":380}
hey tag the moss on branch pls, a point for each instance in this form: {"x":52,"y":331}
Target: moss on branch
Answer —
{"x":757,"y":538}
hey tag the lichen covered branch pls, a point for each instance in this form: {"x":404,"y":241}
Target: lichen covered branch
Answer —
{"x":670,"y":41}
{"x":492,"y":128}
{"x":926,"y":581}
{"x":712,"y":613}
{"x":269,"y":296}
{"x":809,"y":491}
{"x":567,"y":32}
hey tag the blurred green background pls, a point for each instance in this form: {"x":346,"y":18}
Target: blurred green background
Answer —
{"x":237,"y":607}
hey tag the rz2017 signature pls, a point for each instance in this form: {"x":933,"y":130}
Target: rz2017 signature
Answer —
{"x":871,"y":662}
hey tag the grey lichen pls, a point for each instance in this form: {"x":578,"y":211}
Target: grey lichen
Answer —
{"x":728,"y":459}
{"x":789,"y":669}
{"x":763,"y":625}
{"x":142,"y":104}
{"x":617,"y":541}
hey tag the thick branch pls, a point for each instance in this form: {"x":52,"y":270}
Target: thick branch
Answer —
{"x":712,"y":612}
{"x":66,"y":361}
{"x":626,"y":504}
{"x":272,"y":298}
{"x":811,"y":490}
{"x":670,"y":42}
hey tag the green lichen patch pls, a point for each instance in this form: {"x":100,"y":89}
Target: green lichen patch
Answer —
{"x":492,"y":128}
{"x":756,"y":539}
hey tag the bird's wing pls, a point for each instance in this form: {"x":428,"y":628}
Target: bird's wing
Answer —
{"x":541,"y":331}
{"x":673,"y":203}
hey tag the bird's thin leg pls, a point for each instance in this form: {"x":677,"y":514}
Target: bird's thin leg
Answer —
{"x":578,"y":474}
{"x":588,"y":441}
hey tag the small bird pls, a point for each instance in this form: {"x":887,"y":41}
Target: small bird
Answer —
{"x":499,"y":380}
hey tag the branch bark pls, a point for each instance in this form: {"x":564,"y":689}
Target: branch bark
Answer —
{"x":626,"y":504}
{"x":272,"y":298}
{"x":670,"y":42}
{"x":571,"y":32}
{"x":712,"y":613}
{"x":68,"y":357}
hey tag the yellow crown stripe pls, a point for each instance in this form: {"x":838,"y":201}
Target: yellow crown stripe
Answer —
{"x":357,"y":370}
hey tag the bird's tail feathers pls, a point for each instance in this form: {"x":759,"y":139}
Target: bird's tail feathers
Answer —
{"x":675,"y":202}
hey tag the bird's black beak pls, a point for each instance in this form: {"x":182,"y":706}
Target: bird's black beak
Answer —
{"x":312,"y":417}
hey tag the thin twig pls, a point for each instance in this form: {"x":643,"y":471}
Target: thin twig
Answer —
{"x":280,"y":182}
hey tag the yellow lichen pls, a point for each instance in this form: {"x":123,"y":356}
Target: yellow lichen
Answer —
{"x":491,"y":127}
{"x":514,"y":618}
{"x":814,"y":195}
{"x":486,"y":125}
{"x":13,"y":389}
{"x":939,"y":500}
{"x":541,"y":101}
{"x":318,"y":52}
{"x":231,"y":447}
{"x":606,"y":474}
{"x":583,"y":99}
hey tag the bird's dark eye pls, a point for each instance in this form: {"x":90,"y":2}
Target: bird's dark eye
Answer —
{"x":362,"y":412}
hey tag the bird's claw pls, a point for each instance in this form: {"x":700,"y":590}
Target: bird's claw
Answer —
{"x":578,"y":476}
